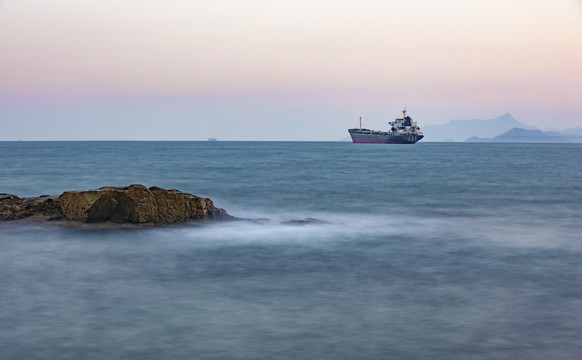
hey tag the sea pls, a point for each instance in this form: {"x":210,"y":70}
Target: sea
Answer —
{"x":425,"y":251}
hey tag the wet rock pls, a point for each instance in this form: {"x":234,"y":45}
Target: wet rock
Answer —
{"x":259,"y":221}
{"x":306,"y":221}
{"x":5,"y":196}
{"x":41,"y":208}
{"x":134,"y":204}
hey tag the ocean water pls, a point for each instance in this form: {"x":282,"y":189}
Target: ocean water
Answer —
{"x":430,"y":251}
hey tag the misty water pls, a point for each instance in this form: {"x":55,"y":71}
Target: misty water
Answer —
{"x":428,"y":251}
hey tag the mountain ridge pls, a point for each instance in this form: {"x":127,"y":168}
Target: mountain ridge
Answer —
{"x":530,"y":136}
{"x":460,"y":130}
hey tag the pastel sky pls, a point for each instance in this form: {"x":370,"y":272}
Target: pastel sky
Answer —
{"x":281,"y":70}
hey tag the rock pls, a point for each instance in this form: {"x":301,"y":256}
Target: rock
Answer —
{"x":131,"y":204}
{"x":260,"y":221}
{"x":5,"y":196}
{"x":306,"y":221}
{"x":38,"y":208}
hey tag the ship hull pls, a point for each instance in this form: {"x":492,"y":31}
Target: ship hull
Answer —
{"x":384,"y":138}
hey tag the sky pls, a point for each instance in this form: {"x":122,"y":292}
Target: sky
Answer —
{"x":281,"y":70}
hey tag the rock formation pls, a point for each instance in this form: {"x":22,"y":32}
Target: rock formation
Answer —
{"x":132,"y":204}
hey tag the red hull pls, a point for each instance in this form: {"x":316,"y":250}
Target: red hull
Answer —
{"x":362,"y":141}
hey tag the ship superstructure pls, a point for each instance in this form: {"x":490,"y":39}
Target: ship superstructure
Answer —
{"x":403,"y":131}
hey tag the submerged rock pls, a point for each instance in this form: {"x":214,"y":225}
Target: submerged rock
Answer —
{"x":306,"y":221}
{"x":259,"y":221}
{"x":131,"y":204}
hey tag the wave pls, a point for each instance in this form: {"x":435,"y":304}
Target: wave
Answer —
{"x":341,"y":227}
{"x":288,"y":227}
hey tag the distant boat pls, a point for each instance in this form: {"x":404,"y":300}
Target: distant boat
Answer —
{"x":212,"y":138}
{"x":403,"y":131}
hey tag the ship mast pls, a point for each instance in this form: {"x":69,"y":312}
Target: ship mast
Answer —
{"x":404,"y":113}
{"x":360,"y":123}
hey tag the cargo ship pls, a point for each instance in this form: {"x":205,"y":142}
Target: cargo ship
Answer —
{"x":403,"y":131}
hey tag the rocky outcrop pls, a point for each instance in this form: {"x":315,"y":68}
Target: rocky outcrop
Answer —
{"x":132,"y":204}
{"x":37,"y":208}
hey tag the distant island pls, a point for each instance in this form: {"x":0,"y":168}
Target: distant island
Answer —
{"x":460,"y":130}
{"x":504,"y":128}
{"x":530,"y":136}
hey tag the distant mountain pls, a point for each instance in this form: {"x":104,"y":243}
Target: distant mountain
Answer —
{"x":573,"y":131}
{"x":459,"y":130}
{"x":530,"y":136}
{"x":570,"y":136}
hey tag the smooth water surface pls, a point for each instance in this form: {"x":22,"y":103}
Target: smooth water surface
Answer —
{"x":436,"y":250}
